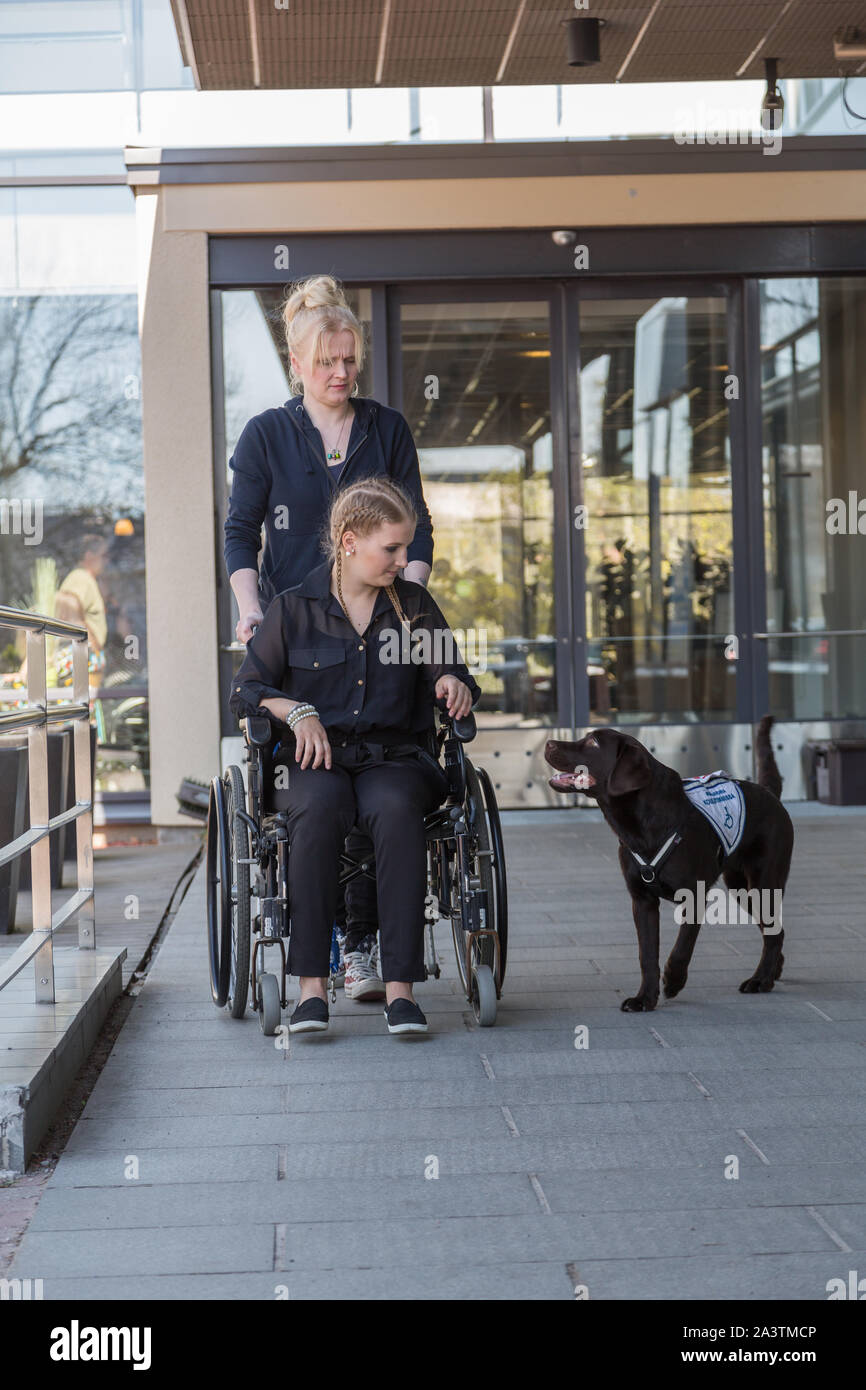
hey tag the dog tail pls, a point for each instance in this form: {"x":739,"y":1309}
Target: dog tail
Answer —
{"x":769,"y":775}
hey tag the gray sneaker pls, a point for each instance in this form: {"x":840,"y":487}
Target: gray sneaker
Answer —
{"x":362,"y":980}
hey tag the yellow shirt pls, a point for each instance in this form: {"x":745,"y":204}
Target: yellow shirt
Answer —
{"x":82,"y":583}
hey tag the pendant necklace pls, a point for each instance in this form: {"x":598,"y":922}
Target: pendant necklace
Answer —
{"x":334,"y":455}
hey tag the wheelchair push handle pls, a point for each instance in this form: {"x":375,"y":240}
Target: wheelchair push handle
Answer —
{"x":464,"y":728}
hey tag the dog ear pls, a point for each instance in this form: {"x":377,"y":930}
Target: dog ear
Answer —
{"x":631,"y":770}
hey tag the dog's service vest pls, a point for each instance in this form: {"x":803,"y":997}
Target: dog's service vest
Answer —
{"x":718,"y":797}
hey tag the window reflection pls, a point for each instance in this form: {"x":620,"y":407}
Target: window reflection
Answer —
{"x":813,"y":342}
{"x":657,"y":486}
{"x":476,"y":394}
{"x":72,"y":508}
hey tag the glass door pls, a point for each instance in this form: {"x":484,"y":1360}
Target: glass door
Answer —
{"x":651,"y":387}
{"x":475,"y":379}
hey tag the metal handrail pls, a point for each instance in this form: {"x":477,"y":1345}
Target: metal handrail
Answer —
{"x":35,"y":717}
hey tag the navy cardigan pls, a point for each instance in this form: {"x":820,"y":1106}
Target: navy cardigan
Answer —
{"x":281,"y":478}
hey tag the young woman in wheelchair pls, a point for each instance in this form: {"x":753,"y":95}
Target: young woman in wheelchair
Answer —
{"x":346,"y":660}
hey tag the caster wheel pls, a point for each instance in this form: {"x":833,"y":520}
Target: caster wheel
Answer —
{"x":484,"y":995}
{"x":268,"y":992}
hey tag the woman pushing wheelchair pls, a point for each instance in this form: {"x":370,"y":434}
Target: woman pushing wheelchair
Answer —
{"x":347,"y":663}
{"x":288,"y":463}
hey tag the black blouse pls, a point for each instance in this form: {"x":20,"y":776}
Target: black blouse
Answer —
{"x":305,"y":648}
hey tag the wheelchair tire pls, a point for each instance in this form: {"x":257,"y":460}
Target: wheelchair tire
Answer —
{"x":217,"y":893}
{"x":494,"y":833}
{"x":483,"y":995}
{"x":481,"y":866}
{"x":239,"y":849}
{"x":268,"y":991}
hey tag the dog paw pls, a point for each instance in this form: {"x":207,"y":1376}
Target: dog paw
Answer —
{"x":672,"y":983}
{"x":756,"y":984}
{"x":639,"y":1004}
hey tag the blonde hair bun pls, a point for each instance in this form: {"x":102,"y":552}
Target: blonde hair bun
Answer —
{"x":318,"y":306}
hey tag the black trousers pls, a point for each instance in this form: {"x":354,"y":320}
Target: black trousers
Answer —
{"x":357,"y":912}
{"x":387,"y":795}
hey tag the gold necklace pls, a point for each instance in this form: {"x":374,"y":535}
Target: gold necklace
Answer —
{"x":340,"y":594}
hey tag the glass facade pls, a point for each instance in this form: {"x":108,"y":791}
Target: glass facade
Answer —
{"x":813,"y":365}
{"x":71,"y":472}
{"x":665,"y":508}
{"x":88,"y":46}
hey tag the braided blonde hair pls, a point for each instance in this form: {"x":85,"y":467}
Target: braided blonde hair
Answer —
{"x":363,"y":507}
{"x":318,"y":303}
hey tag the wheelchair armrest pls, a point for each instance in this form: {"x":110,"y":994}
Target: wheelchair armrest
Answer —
{"x":463,"y":729}
{"x":258,"y":730}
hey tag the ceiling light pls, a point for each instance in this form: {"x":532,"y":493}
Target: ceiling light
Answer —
{"x":584,"y":41}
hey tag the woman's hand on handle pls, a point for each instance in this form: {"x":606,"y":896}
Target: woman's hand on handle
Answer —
{"x":247,"y":622}
{"x":457,"y":695}
{"x":312,"y":743}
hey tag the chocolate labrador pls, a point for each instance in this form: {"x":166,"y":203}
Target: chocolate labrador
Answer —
{"x":676,"y":837}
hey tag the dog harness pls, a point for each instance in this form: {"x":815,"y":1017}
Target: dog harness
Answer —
{"x":650,"y":869}
{"x":718,"y":797}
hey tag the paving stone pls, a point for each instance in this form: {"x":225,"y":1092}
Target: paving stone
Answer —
{"x":269,"y":1199}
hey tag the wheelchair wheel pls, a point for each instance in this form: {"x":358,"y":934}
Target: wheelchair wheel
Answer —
{"x":483,"y":995}
{"x":268,"y":991}
{"x":217,"y":891}
{"x":239,"y":850}
{"x":483,"y":866}
{"x":494,"y":835}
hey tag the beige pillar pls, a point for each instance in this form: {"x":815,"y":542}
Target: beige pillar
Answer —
{"x":179,"y":518}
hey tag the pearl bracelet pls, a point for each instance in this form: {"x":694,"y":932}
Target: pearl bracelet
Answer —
{"x":300,"y":712}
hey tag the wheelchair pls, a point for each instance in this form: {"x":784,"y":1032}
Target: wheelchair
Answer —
{"x":247,"y":857}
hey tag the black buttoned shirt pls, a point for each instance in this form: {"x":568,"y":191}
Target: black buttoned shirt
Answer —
{"x":382,"y":681}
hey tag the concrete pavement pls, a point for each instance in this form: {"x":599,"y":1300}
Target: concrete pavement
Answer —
{"x":210,"y":1163}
